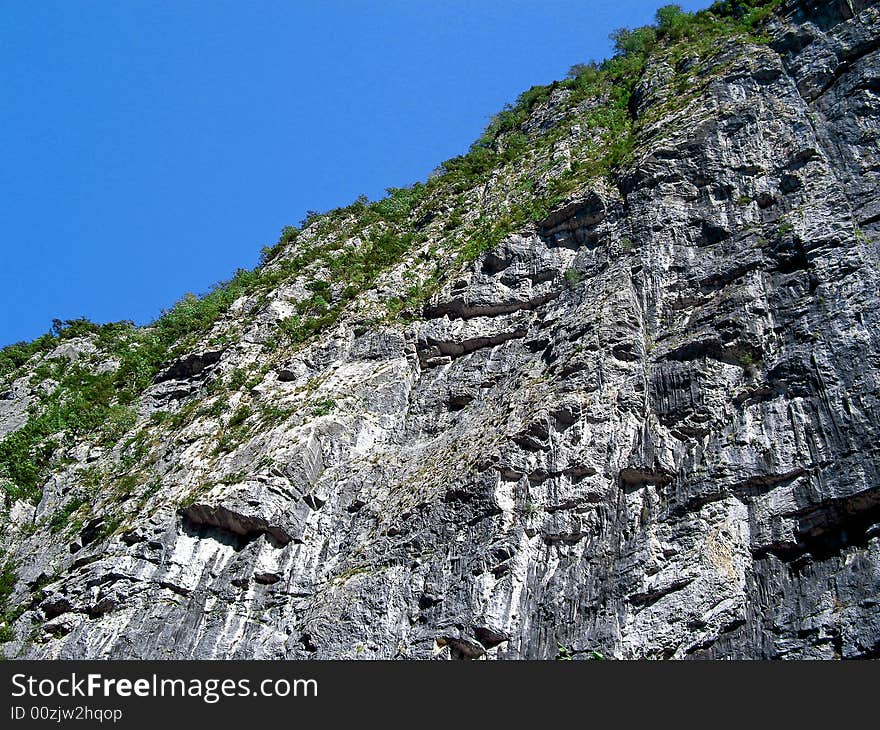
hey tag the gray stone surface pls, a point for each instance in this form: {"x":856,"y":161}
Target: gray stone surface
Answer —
{"x":673,"y":454}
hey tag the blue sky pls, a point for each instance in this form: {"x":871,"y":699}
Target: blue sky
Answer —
{"x":149,"y":148}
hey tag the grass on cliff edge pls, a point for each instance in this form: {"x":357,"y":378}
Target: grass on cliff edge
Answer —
{"x":82,"y":404}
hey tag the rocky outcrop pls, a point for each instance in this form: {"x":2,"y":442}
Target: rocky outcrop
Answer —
{"x":648,"y":426}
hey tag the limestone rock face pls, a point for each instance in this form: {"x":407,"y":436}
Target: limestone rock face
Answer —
{"x":649,"y":426}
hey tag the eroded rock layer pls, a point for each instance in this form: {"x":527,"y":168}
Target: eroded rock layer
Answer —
{"x":648,"y":426}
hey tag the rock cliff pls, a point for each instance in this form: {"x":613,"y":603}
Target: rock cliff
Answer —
{"x":607,"y":386}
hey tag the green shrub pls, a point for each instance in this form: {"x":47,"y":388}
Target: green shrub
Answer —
{"x":127,"y":483}
{"x":233,"y":478}
{"x":637,"y":41}
{"x":275,"y":414}
{"x":159,"y":417}
{"x":563,"y":653}
{"x":241,"y":414}
{"x":237,"y":378}
{"x":311,"y":217}
{"x":119,"y":420}
{"x":62,"y":516}
{"x":672,"y":22}
{"x":323,"y":407}
{"x":8,"y":579}
{"x":585,"y":73}
{"x":318,"y":286}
